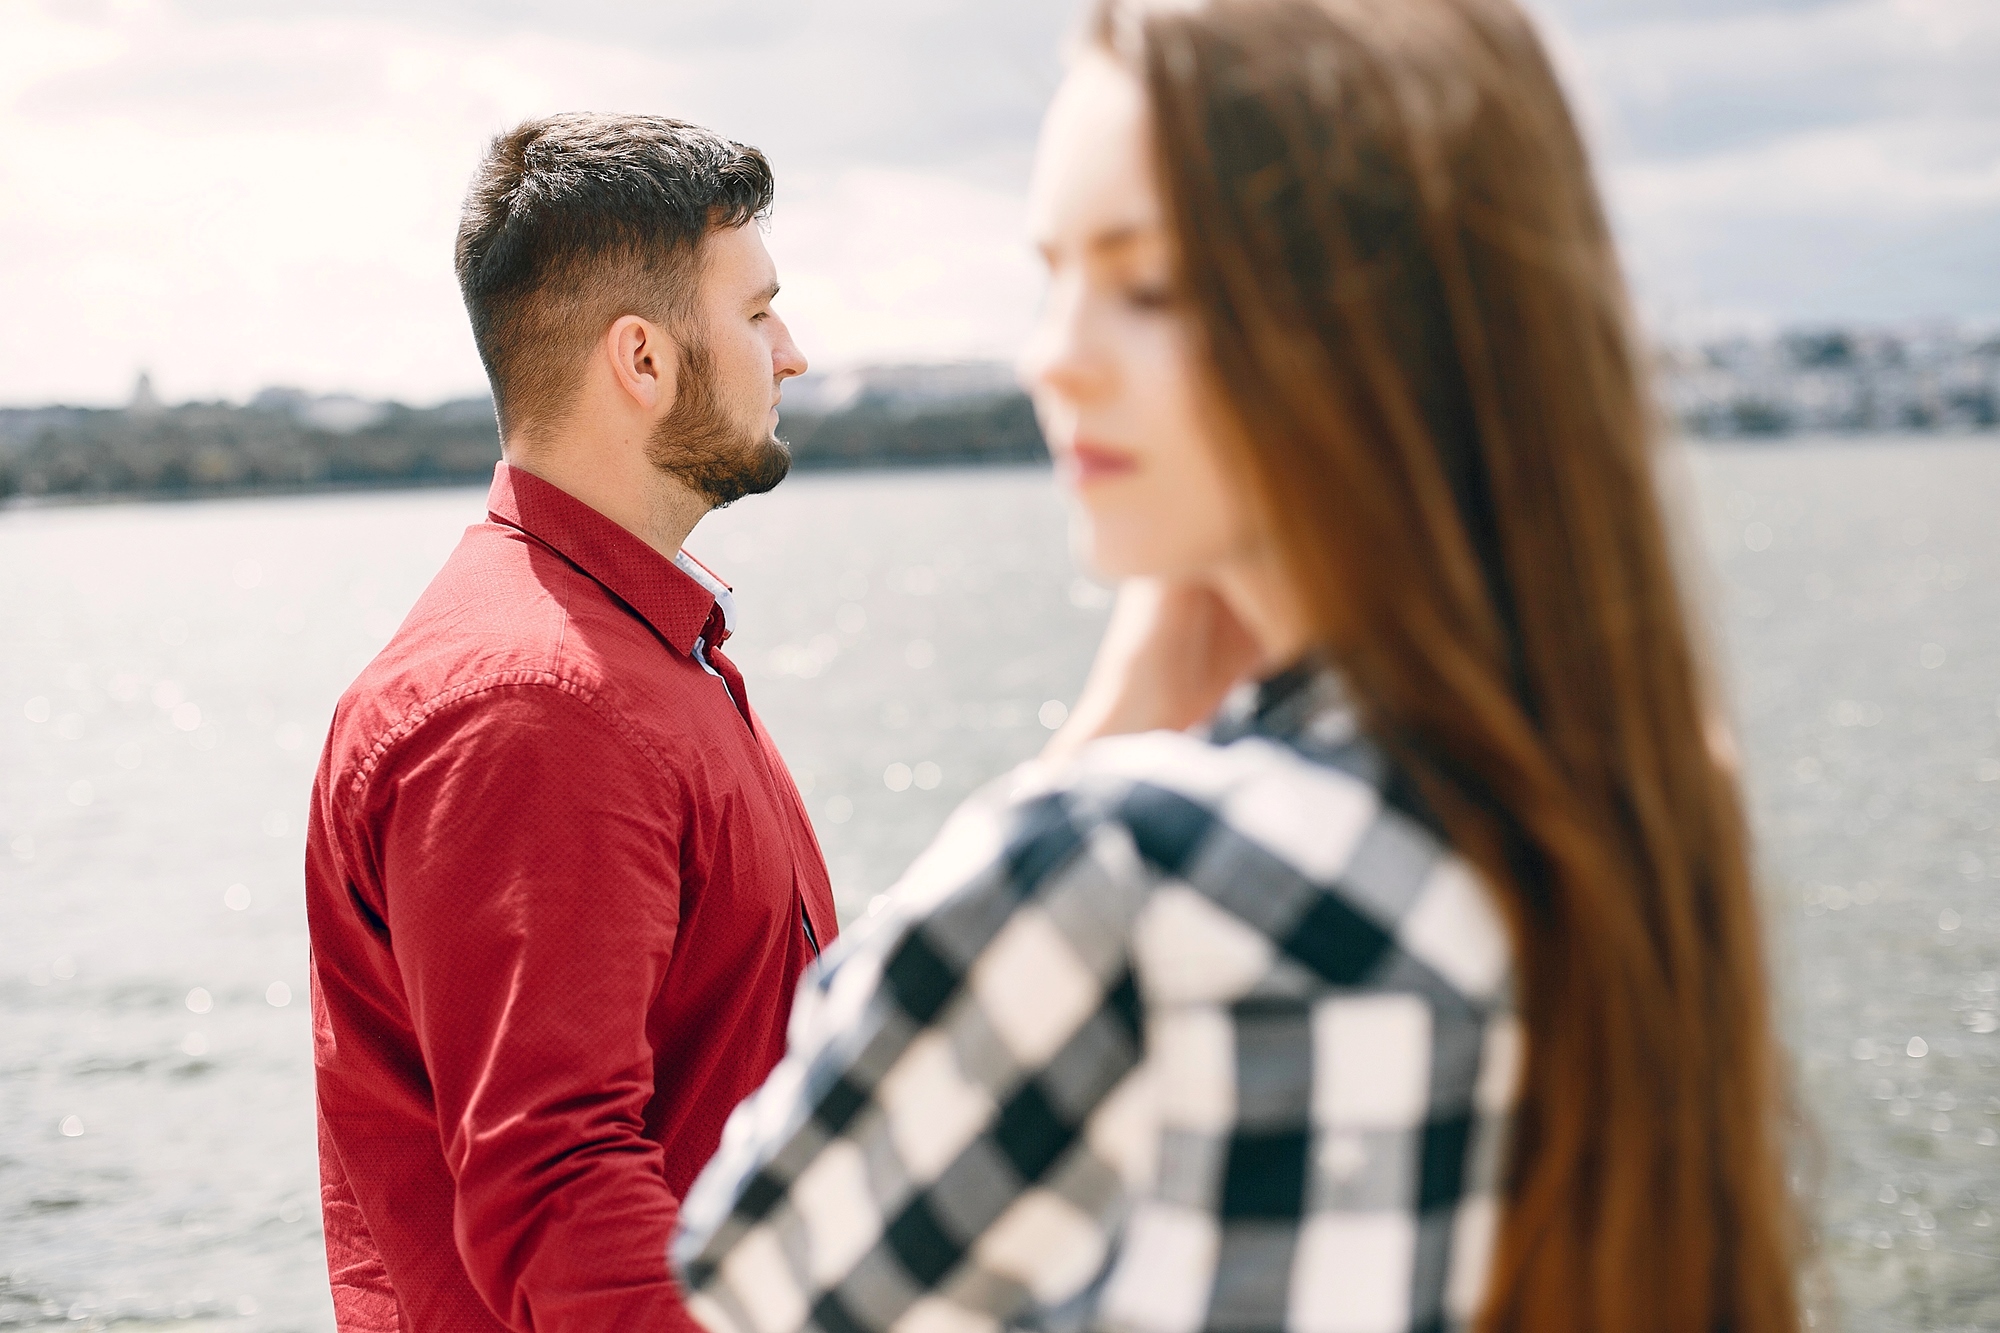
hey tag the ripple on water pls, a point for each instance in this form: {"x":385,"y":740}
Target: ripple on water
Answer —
{"x":189,"y":1164}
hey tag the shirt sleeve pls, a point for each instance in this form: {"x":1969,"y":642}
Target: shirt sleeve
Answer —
{"x":364,"y":1300}
{"x":968,"y":1123}
{"x":934,"y":1144}
{"x":529,"y":853}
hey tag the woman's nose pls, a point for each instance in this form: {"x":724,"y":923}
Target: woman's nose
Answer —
{"x":1058,"y":356}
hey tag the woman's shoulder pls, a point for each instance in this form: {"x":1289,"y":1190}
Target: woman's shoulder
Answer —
{"x":1303,"y":805}
{"x":1311,"y":844}
{"x":1296,"y":846}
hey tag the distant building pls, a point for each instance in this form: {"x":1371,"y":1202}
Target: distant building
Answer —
{"x":1927,"y":377}
{"x":144,"y":400}
{"x":1920,"y":377}
{"x":334,"y":413}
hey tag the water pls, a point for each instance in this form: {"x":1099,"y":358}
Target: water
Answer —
{"x":169,"y":669}
{"x":1860,"y":601}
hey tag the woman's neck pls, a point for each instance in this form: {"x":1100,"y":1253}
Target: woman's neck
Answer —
{"x":1265,"y":601}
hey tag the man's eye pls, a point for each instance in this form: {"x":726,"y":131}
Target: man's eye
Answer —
{"x":1150,"y":297}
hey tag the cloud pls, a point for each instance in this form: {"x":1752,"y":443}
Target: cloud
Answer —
{"x":1683,"y":88}
{"x":1773,"y":163}
{"x":1610,"y":15}
{"x":902,"y":82}
{"x":235,"y":193}
{"x":883,"y":265}
{"x":234,"y":200}
{"x":1886,"y":221}
{"x":1884,"y":172}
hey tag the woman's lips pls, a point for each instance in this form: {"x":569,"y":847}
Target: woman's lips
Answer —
{"x":1099,"y":462}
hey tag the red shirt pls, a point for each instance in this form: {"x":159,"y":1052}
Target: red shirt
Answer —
{"x":561,"y":890}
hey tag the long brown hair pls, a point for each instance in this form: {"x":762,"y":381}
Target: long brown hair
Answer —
{"x":1416,"y":327}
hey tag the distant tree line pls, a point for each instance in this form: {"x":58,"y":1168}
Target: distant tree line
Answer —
{"x":218,"y":448}
{"x":1934,"y":377}
{"x":212,"y":448}
{"x":999,"y":428}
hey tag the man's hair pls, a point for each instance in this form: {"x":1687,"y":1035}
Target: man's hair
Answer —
{"x":575,"y":220}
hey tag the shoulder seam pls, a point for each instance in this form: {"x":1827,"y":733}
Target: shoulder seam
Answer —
{"x":562,"y":605}
{"x":437,"y":703}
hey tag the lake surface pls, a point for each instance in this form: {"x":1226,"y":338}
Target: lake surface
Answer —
{"x":168,"y":671}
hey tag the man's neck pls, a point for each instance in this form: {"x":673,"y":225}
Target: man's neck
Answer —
{"x":619,"y":483}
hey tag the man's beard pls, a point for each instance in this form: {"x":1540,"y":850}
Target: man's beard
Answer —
{"x":698,"y":443}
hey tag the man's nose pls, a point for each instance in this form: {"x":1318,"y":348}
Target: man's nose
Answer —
{"x":786,"y":358}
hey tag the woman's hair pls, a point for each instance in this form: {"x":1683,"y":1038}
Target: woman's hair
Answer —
{"x":1417,"y":335}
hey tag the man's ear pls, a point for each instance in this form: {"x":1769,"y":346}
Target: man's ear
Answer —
{"x":645,"y":361}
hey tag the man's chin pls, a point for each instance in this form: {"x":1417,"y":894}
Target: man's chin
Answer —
{"x":760,"y":472}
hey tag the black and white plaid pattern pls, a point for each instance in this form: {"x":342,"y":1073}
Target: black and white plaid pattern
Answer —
{"x":1202,"y":1034}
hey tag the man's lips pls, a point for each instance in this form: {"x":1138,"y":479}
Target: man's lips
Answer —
{"x":1090,"y":461}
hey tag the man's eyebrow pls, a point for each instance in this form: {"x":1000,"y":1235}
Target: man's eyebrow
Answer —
{"x":768,"y":294}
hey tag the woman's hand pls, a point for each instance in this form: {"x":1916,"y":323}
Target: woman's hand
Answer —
{"x":1172,"y":651}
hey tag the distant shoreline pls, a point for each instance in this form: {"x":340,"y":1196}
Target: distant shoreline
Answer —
{"x":470,"y":481}
{"x":811,"y":465}
{"x":1739,"y":393}
{"x":209,"y":450}
{"x":1805,"y":439}
{"x":87,"y":499}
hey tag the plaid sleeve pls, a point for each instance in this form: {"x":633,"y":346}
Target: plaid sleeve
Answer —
{"x":1214,"y":1037}
{"x":924,"y":1154}
{"x":1329,"y":1049}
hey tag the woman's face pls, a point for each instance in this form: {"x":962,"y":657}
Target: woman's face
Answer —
{"x":1112,"y":362}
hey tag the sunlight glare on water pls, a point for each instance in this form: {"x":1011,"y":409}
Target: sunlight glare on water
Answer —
{"x":172,"y":668}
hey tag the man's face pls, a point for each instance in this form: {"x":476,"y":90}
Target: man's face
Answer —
{"x":720,"y":434}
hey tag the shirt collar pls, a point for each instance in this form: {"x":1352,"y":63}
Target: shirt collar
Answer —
{"x":1305,"y":704}
{"x":717,"y":589}
{"x":676,"y":597}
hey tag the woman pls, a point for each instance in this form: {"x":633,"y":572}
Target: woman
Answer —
{"x":1423,"y":988}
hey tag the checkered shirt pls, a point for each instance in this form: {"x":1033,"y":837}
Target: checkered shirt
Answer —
{"x":1202,"y":1033}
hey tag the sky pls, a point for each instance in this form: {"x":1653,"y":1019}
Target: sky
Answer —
{"x":232,"y":194}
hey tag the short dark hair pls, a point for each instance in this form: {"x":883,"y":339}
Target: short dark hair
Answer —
{"x":575,"y":220}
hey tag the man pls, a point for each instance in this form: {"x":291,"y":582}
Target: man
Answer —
{"x":561,"y":886}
